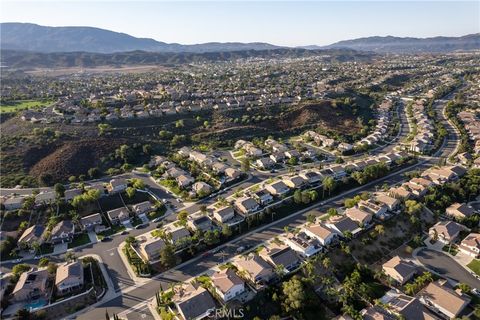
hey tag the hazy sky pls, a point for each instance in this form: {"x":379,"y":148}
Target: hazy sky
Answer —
{"x":278,"y":22}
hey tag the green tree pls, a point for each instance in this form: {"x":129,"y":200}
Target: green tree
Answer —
{"x":43,"y":262}
{"x":59,"y":190}
{"x":226,"y":230}
{"x":130,"y":192}
{"x":328,"y":184}
{"x":294,"y":295}
{"x":103,"y":128}
{"x":245,"y":164}
{"x":18,"y":269}
{"x":167,"y":256}
{"x":297,"y":196}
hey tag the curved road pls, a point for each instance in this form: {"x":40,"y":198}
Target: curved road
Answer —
{"x":132,"y":297}
{"x":446,"y":267}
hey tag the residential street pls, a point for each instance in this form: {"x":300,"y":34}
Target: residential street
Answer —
{"x":446,"y":266}
{"x":131,"y":298}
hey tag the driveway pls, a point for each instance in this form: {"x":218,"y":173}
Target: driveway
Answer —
{"x":60,"y":248}
{"x":447,"y":267}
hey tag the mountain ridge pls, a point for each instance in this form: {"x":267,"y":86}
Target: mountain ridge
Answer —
{"x":44,"y":39}
{"x":37,"y":38}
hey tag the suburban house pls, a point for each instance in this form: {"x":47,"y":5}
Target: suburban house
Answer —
{"x":31,"y":285}
{"x":421,"y":181}
{"x":97,"y":186}
{"x":232,"y":173}
{"x":118,"y":215}
{"x":278,"y":188}
{"x":227,"y":284}
{"x":150,"y":248}
{"x":280,"y":255}
{"x":219,"y":167}
{"x":295,"y":182}
{"x":374,"y":313}
{"x":184,"y":180}
{"x":117,"y":185}
{"x":338,"y":172}
{"x":302,"y":244}
{"x":69,"y":277}
{"x":311,"y":177}
{"x":193,"y":303}
{"x":72,"y":193}
{"x":446,"y":231}
{"x":471,"y":245}
{"x":399,"y":270}
{"x":246,"y":205}
{"x":415,"y":189}
{"x":378,"y":209}
{"x":255,"y":268}
{"x":45,"y":197}
{"x":408,"y":308}
{"x":90,"y":222}
{"x":62,"y":232}
{"x":264,"y":163}
{"x":359,"y":215}
{"x":391,"y":203}
{"x":224,"y":214}
{"x":13,"y":203}
{"x":342,"y":225}
{"x":444,"y":298}
{"x":177,"y":232}
{"x":460,"y":211}
{"x":262,"y":197}
{"x":142,"y":207}
{"x":400,"y":193}
{"x":320,"y":232}
{"x":277,"y":157}
{"x":200,"y":223}
{"x":32,"y":235}
{"x":174,"y":172}
{"x":201,"y":188}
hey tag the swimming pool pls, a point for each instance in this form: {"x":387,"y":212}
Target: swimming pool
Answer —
{"x":35,"y":304}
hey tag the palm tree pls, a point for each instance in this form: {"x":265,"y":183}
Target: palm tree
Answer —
{"x":328,"y":184}
{"x":36,"y":247}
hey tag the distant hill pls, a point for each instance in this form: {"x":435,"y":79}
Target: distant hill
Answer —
{"x":33,"y":37}
{"x":391,"y":44}
{"x":28,"y":60}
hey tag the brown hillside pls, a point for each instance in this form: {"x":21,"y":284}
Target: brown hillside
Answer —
{"x":73,"y":158}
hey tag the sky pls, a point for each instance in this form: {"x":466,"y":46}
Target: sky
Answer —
{"x":289,"y":23}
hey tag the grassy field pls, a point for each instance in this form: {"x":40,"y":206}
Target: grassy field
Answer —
{"x":475,"y":266}
{"x":14,"y":106}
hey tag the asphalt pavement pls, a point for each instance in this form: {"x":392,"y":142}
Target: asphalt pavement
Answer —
{"x":444,"y":265}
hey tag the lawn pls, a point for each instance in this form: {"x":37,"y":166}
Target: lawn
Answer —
{"x":157,"y":213}
{"x":450,"y":249}
{"x":475,"y":266}
{"x":113,"y":230}
{"x":79,"y":240}
{"x":23,"y":104}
